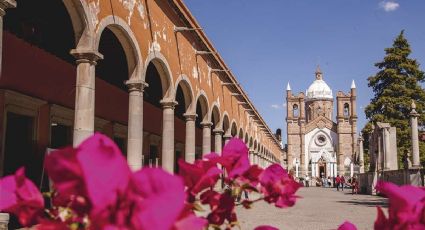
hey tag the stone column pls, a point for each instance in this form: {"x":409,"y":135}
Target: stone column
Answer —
{"x":4,"y":221}
{"x":218,"y":138}
{"x":251,"y":156}
{"x":386,"y":148}
{"x":361,"y":155}
{"x":206,"y":137}
{"x":313,"y":169}
{"x":414,"y":135}
{"x":190,"y":137}
{"x":227,"y":138}
{"x":84,"y":94}
{"x":168,"y":135}
{"x":135,"y":124}
{"x":4,"y":4}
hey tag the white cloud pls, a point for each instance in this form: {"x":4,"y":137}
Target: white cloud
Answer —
{"x":389,"y":6}
{"x":277,"y":106}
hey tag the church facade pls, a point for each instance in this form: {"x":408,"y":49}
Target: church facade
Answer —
{"x":317,"y":144}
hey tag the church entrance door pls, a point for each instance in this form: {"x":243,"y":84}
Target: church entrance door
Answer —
{"x":322,"y":167}
{"x":322,"y":170}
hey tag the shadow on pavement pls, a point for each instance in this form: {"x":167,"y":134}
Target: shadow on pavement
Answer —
{"x":368,"y":203}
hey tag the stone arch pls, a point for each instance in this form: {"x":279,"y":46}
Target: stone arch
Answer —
{"x":251,"y":143}
{"x":234,"y":129}
{"x":215,"y":116}
{"x":225,"y":123}
{"x":202,"y":99}
{"x":241,"y":133}
{"x":128,"y":41}
{"x":184,"y":82}
{"x":255,"y":145}
{"x":82,"y":23}
{"x":246,"y":140}
{"x":164,"y":70}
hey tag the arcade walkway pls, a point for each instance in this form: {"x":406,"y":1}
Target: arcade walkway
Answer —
{"x":320,"y":208}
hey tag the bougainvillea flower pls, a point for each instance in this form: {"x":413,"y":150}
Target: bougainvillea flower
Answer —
{"x":234,"y":158}
{"x":65,"y":172}
{"x":211,"y":198}
{"x":406,"y":207}
{"x":278,"y":187}
{"x":199,"y":176}
{"x":381,"y":221}
{"x":51,"y":225}
{"x":225,"y":210}
{"x":19,"y":195}
{"x":347,"y":226}
{"x":188,"y":220}
{"x":265,"y":227}
{"x":251,"y":176}
{"x":106,"y":172}
{"x":162,"y":199}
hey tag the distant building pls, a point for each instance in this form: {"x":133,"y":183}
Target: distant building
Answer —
{"x":316,"y":143}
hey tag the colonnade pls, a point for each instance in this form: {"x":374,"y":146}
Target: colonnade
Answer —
{"x":86,"y":59}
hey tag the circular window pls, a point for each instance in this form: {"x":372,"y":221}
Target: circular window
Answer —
{"x":321,"y":140}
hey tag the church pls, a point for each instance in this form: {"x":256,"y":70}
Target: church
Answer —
{"x":318,"y":145}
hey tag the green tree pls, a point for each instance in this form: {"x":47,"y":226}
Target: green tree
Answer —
{"x":395,"y":86}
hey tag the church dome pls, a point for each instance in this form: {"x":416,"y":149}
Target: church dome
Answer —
{"x":319,"y":89}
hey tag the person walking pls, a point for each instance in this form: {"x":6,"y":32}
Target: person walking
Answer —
{"x":337,"y":182}
{"x":307,"y":181}
{"x":354,"y":186}
{"x":342,"y":179}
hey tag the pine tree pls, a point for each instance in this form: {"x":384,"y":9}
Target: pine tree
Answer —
{"x":395,"y":86}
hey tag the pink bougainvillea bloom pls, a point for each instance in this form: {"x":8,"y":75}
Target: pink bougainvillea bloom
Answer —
{"x":199,"y":176}
{"x":406,"y":206}
{"x":106,"y":172}
{"x":278,"y":187}
{"x":19,"y":195}
{"x":64,"y":170}
{"x":51,"y":225}
{"x":162,"y":199}
{"x":188,"y":220}
{"x":381,"y":221}
{"x":251,"y":176}
{"x":94,"y":177}
{"x":234,"y":158}
{"x":347,"y":226}
{"x":222,"y":209}
{"x":265,"y":227}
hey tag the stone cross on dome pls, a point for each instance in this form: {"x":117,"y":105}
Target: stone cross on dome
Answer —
{"x":319,"y":75}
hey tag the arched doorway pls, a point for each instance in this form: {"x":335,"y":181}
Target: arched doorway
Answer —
{"x":203,"y":137}
{"x":216,"y":131}
{"x":184,"y":100}
{"x":153,"y":113}
{"x":322,"y":167}
{"x":111,"y":93}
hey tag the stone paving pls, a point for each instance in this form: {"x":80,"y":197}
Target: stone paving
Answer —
{"x":320,"y":208}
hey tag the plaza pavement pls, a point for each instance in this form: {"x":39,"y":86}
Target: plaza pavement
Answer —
{"x":319,"y":208}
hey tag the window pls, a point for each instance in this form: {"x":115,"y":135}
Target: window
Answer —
{"x":346,"y":110}
{"x":295,"y":110}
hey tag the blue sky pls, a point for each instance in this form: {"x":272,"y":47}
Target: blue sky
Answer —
{"x":268,"y":43}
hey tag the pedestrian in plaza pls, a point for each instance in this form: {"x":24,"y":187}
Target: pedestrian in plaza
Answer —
{"x":329,"y":181}
{"x":307,"y":181}
{"x":337,"y":182}
{"x":342,"y":179}
{"x":354,"y":186}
